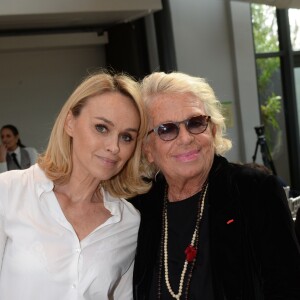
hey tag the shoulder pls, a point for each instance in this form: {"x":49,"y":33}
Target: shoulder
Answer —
{"x":16,"y":180}
{"x":13,"y":176}
{"x":250,"y":186}
{"x":130,"y":216}
{"x":13,"y":185}
{"x":152,"y":200}
{"x":21,"y":190}
{"x":233,"y":173}
{"x":250,"y":178}
{"x":129,"y":208}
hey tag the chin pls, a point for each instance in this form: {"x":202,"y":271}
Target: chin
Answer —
{"x":189,"y":172}
{"x":106,"y":175}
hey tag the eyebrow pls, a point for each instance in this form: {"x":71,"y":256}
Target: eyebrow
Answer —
{"x":112,"y":124}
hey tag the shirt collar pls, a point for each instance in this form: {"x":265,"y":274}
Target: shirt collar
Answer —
{"x":113,"y":204}
{"x":44,"y":184}
{"x":17,"y":151}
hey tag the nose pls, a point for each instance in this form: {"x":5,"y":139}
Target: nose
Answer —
{"x":112,"y":145}
{"x":184,"y":136}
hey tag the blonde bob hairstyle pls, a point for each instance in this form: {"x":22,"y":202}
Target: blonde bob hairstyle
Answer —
{"x":180,"y":83}
{"x":56,"y":161}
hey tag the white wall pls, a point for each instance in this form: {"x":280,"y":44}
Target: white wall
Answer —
{"x":35,"y":83}
{"x":245,"y":76}
{"x":209,"y":45}
{"x":16,"y":7}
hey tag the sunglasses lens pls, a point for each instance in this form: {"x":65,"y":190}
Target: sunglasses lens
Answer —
{"x":197,"y":125}
{"x":168,"y":131}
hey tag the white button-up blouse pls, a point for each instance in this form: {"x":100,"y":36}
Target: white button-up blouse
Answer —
{"x":41,"y":257}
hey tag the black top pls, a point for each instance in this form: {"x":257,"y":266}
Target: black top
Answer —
{"x":253,"y":251}
{"x":182,"y":219}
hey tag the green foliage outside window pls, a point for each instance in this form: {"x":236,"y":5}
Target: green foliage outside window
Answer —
{"x":264,"y":25}
{"x":270,"y":109}
{"x":265,"y":34}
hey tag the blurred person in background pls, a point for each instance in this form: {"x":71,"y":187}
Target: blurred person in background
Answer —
{"x":13,"y":154}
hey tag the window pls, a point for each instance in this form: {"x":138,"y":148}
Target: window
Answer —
{"x":269,"y":83}
{"x":294,"y":21}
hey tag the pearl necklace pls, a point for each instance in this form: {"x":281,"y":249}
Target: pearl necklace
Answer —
{"x":191,"y":250}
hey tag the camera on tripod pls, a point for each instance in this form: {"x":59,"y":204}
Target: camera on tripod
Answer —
{"x":260,"y":130}
{"x":264,"y":149}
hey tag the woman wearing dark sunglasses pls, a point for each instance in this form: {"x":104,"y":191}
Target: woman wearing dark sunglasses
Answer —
{"x":209,"y":229}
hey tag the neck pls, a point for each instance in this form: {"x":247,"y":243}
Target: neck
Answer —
{"x":177,"y":192}
{"x":12,"y":149}
{"x":80,"y":190}
{"x":174,"y":196}
{"x":180,"y":188}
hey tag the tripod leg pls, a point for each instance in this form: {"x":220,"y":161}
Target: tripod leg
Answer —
{"x":266,"y":157}
{"x":255,"y":152}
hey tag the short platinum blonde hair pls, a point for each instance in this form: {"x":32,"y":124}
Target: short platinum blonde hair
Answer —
{"x":180,"y":83}
{"x":56,"y":161}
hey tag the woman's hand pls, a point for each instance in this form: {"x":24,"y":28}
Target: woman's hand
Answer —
{"x":3,"y":152}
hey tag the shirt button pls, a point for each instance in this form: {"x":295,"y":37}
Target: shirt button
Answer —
{"x":73,"y":286}
{"x":78,"y":250}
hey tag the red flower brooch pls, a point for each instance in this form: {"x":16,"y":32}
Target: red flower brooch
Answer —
{"x":190,"y":253}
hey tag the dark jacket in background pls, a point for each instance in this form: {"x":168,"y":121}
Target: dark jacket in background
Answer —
{"x":24,"y":164}
{"x":255,"y":257}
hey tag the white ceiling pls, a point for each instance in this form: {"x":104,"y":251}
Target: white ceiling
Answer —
{"x":68,"y":20}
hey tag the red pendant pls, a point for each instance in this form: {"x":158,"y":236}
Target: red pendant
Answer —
{"x":190,"y":253}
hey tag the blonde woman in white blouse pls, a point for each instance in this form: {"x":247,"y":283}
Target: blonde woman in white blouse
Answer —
{"x":66,"y":232}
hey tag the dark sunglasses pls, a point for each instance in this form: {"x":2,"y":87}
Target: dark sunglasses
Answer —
{"x":169,"y":131}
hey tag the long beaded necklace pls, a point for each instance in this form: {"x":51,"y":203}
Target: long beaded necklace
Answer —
{"x":190,"y":251}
